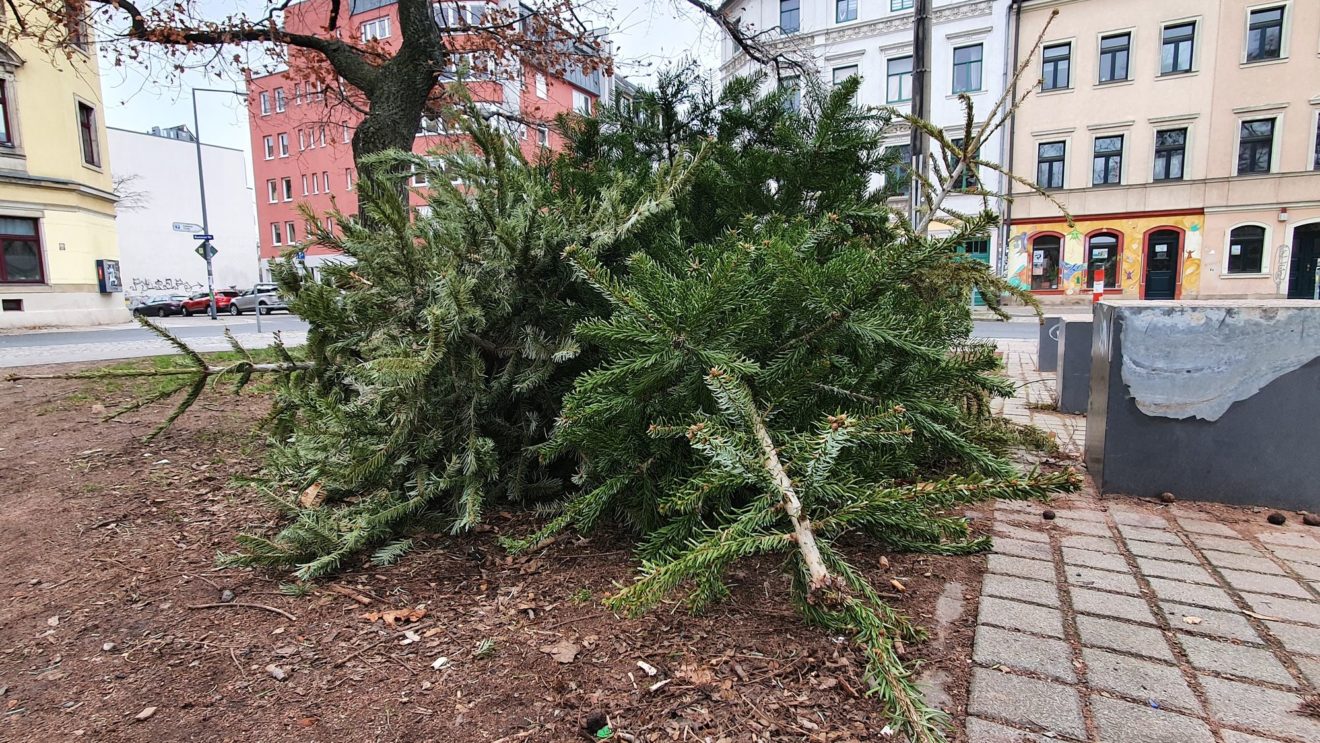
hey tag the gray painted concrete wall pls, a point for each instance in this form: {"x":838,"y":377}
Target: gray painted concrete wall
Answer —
{"x":1262,"y":449}
{"x":1074,"y":366}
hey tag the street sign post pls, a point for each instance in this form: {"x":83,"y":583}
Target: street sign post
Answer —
{"x":203,"y":236}
{"x":186,"y":227}
{"x":206,"y":250}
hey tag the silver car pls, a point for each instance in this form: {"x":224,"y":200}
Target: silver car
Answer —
{"x":262,"y":299}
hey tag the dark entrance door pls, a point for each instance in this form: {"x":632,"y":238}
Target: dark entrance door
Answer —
{"x":1306,"y":254}
{"x":1162,"y":253}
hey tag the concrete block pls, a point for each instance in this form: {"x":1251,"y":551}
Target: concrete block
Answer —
{"x":1040,"y":620}
{"x":1128,"y":638}
{"x":1101,"y":560}
{"x":1260,"y":583}
{"x":1047,"y":352}
{"x":1292,"y":610}
{"x":1255,"y":563}
{"x":1124,"y":722}
{"x":1162,"y":551}
{"x":1235,"y":660}
{"x":1190,"y":593}
{"x":1028,"y":702}
{"x":996,"y":647}
{"x":1258,"y":708}
{"x":1176,"y":570}
{"x":1021,"y":567}
{"x":1213,"y":400}
{"x":1103,"y":580}
{"x":1103,"y":604}
{"x":1227,"y":624}
{"x":1074,"y":366}
{"x":1143,"y":679}
{"x":1021,"y":589}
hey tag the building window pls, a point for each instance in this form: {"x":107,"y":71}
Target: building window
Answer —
{"x":897,"y":175}
{"x":304,"y":185}
{"x":297,"y":93}
{"x":543,"y":136}
{"x":899,"y":75}
{"x":1107,"y":161}
{"x":792,"y":89}
{"x":265,"y":104}
{"x":845,"y":10}
{"x":900,"y":4}
{"x":284,"y":145}
{"x":269,"y":143}
{"x":287,"y":183}
{"x":1049,"y":164}
{"x":1265,"y":34}
{"x":1246,"y":250}
{"x":1170,"y":153}
{"x":276,"y":236}
{"x":6,"y":132}
{"x":841,"y":74}
{"x":1102,"y":253}
{"x":348,"y":179}
{"x":325,"y":181}
{"x":378,"y":28}
{"x":581,"y":103}
{"x":790,"y":16}
{"x":302,"y":140}
{"x":967,"y":68}
{"x":1317,"y":143}
{"x":279,"y":100}
{"x":1179,"y":40}
{"x":21,"y":247}
{"x":347,"y":135}
{"x":290,"y":236}
{"x":968,"y":180}
{"x":1256,"y":146}
{"x":1056,"y":67}
{"x":91,"y":151}
{"x":316,"y":183}
{"x":1114,"y":54}
{"x":1045,"y":262}
{"x":273,"y":190}
{"x":322,"y":130}
{"x":541,"y":91}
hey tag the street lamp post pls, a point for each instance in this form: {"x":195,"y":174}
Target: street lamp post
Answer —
{"x":201,"y":188}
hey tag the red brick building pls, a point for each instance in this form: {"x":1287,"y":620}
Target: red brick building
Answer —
{"x":301,"y":135}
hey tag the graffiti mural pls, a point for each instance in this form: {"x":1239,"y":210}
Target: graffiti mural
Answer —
{"x":181,"y":286}
{"x":1073,"y":266}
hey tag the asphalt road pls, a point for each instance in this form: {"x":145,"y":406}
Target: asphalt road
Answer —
{"x":1017,"y":330}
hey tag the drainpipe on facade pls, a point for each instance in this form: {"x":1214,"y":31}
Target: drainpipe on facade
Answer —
{"x":1006,"y":138}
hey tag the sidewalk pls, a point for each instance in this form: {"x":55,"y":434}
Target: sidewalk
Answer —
{"x":1127,"y":621}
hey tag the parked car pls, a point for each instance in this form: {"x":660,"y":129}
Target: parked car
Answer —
{"x":161,"y":306}
{"x":198,"y":303}
{"x":262,"y":298}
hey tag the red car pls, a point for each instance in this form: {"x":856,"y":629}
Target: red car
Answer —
{"x":197,"y":304}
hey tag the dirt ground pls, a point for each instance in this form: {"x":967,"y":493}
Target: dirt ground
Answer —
{"x":110,"y":628}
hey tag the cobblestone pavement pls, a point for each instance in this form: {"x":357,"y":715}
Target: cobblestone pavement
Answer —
{"x":1034,"y":403}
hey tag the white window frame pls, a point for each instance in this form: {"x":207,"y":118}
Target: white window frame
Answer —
{"x":1284,"y":46}
{"x":542,"y":87}
{"x":290,"y":233}
{"x":1132,"y":55}
{"x":264,"y":97}
{"x":286,"y":186}
{"x":316,"y":183}
{"x":284,"y":144}
{"x":269,"y":144}
{"x":280,"y":101}
{"x":304,"y":185}
{"x":273,"y":190}
{"x":276,"y":233}
{"x":1276,"y":143}
{"x":543,"y":136}
{"x":1198,"y":41}
{"x":302,"y":141}
{"x":1265,"y":252}
{"x":347,"y":135}
{"x":325,"y":181}
{"x":376,"y":28}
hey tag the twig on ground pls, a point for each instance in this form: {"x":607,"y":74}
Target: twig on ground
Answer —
{"x":247,"y":605}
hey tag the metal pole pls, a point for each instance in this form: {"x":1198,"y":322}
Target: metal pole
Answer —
{"x":920,"y":100}
{"x":201,"y":187}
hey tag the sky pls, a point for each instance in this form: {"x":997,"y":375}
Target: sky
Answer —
{"x":646,"y":36}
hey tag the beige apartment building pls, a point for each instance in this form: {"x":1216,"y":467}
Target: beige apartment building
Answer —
{"x":1181,"y":136}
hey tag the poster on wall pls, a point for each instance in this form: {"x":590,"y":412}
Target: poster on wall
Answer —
{"x":1235,"y":250}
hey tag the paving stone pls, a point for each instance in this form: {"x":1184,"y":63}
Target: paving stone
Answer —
{"x":1260,"y":583}
{"x":1206,"y":527}
{"x":1110,"y":605}
{"x":1310,"y":557}
{"x":1137,"y":518}
{"x":1306,"y":612}
{"x":996,"y":646}
{"x":1176,"y":570}
{"x":984,"y":731}
{"x":1101,"y":560}
{"x":1019,"y":548}
{"x":1162,"y":551}
{"x":1231,"y":625}
{"x":1017,"y":615}
{"x":1101,"y":579}
{"x":1190,"y":593}
{"x":1021,"y":567}
{"x":1258,"y":708}
{"x":1079,"y":514}
{"x":1306,"y":570}
{"x":1033,"y":703}
{"x":1010,"y":531}
{"x":1236,"y":660}
{"x":1021,"y":589}
{"x":1143,"y":534}
{"x":1233,"y":736}
{"x":1129,"y":638}
{"x":1143,"y":679}
{"x":1289,"y":539}
{"x":1235,"y":561}
{"x":1224,"y":544}
{"x":1089,"y":528}
{"x":1087,"y":542}
{"x":1311,"y":669}
{"x":1124,"y":722}
{"x":1297,"y":638}
{"x":1020,"y":506}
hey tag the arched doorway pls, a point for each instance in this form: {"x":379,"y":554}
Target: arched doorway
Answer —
{"x":1102,"y":252}
{"x":1163,"y":253}
{"x":1046,"y":253}
{"x":1305,"y":258}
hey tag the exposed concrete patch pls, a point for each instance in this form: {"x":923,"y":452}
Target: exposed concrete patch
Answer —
{"x":1181,"y":360}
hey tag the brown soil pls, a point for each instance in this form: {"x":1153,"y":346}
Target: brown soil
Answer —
{"x":107,"y":547}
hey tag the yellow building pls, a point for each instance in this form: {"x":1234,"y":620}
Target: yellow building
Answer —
{"x":1183,"y":136}
{"x":58,"y":250}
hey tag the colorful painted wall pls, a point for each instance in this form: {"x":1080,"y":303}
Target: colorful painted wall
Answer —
{"x":1132,"y":231}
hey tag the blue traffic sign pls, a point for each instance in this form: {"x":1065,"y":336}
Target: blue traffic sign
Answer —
{"x":203,"y":237}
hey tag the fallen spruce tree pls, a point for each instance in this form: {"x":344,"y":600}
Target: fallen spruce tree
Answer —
{"x":699,"y":324}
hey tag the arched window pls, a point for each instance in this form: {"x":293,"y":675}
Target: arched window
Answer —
{"x":1102,"y":252}
{"x":1045,"y":254}
{"x":1246,"y":249}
